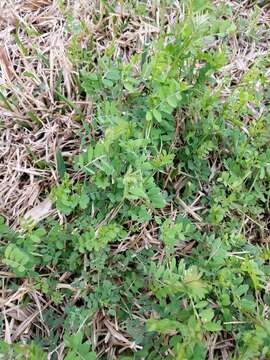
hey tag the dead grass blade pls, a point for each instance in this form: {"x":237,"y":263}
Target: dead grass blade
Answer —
{"x":6,"y":65}
{"x":27,"y":323}
{"x":36,"y":4}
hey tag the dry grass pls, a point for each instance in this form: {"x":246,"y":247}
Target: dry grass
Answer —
{"x":32,"y":56}
{"x":250,"y":46}
{"x":22,"y":321}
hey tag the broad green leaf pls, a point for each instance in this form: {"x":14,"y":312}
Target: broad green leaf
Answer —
{"x":207,"y":315}
{"x":157,"y":115}
{"x":212,"y":326}
{"x":172,"y":100}
{"x":163,"y":326}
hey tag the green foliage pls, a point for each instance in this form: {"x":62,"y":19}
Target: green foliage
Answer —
{"x":68,"y":196}
{"x":78,"y":350}
{"x":173,"y":234}
{"x":16,"y":258}
{"x":166,"y":206}
{"x":21,"y":352}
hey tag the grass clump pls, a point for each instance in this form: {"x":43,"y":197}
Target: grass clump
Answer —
{"x":161,"y":251}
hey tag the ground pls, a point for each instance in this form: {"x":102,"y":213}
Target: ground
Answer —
{"x":134,"y":185}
